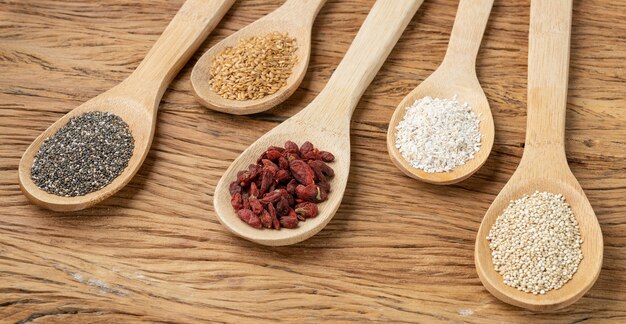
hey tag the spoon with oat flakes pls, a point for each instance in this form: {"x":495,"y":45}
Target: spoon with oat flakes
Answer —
{"x":455,"y":77}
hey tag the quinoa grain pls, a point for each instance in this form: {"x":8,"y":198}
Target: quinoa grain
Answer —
{"x":536,"y":242}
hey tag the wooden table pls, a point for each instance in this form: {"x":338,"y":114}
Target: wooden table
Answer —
{"x":397,"y":250}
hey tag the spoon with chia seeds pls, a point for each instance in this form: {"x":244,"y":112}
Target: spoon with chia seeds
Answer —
{"x":543,"y":169}
{"x":455,"y":79}
{"x":95,"y":150}
{"x":326,"y":120}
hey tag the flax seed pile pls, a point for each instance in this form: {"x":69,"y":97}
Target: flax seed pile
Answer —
{"x":437,"y":135}
{"x":536,"y":242}
{"x":257,"y":67}
{"x":83,"y":156}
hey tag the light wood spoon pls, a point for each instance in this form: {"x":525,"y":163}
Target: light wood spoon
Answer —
{"x":456,"y":76}
{"x":325,"y":122}
{"x":544,"y":166}
{"x":294,"y":17}
{"x":135,"y":100}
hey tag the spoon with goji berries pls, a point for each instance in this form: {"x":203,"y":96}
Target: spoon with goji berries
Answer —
{"x":325,"y":122}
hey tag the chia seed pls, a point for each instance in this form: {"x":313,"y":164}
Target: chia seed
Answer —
{"x":83,"y":156}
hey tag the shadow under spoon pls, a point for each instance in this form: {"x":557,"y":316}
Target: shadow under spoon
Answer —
{"x":135,"y":100}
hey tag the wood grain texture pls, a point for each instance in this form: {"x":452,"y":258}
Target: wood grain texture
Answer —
{"x":397,"y":250}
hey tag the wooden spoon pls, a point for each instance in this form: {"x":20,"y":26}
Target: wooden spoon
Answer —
{"x":325,"y":122}
{"x":543,"y":166}
{"x":456,"y":76}
{"x":294,"y":17}
{"x":135,"y":100}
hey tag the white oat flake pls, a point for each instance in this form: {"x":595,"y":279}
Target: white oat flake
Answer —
{"x":438,"y":135}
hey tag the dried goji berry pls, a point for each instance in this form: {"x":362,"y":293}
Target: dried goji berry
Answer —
{"x":273,"y":154}
{"x":290,"y":220}
{"x":234,"y":187}
{"x":272,"y":212}
{"x":287,"y":195}
{"x":244,"y":198}
{"x":326,"y":156}
{"x":306,"y":209}
{"x":254,"y":171}
{"x":302,"y":172}
{"x":282,"y":176}
{"x":292,"y":157}
{"x":291,"y":186}
{"x":307,"y":193}
{"x":254,"y":191}
{"x":269,"y":166}
{"x":271,"y":197}
{"x":311,"y":155}
{"x":277,"y":148}
{"x":236,"y":201}
{"x":249,"y":217}
{"x":305,"y":148}
{"x":283,"y":163}
{"x":328,"y":171}
{"x":266,"y":219}
{"x":324,"y":185}
{"x":317,"y":170}
{"x":282,"y":207}
{"x":243,"y":177}
{"x":267,"y":179}
{"x":292,"y":147}
{"x":255,"y":205}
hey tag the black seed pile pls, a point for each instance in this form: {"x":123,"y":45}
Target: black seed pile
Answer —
{"x":83,"y":156}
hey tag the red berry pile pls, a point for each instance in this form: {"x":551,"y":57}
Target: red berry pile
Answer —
{"x":283,"y":187}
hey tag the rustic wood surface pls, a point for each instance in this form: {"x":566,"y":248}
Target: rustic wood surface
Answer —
{"x":397,"y":250}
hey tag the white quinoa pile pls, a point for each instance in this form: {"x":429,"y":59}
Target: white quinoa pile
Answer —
{"x":536,"y":242}
{"x":437,"y":135}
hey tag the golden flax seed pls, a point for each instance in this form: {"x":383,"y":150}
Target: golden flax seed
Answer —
{"x":257,"y":67}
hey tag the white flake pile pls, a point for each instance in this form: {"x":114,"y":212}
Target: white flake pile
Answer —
{"x":437,"y":135}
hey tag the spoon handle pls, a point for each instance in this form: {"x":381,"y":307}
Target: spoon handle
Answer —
{"x":304,"y":10}
{"x":467,"y":33}
{"x":548,"y":65}
{"x":181,"y":38}
{"x":379,"y":33}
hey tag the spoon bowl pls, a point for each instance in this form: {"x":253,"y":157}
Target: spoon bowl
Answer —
{"x":589,"y":267}
{"x":325,"y":122}
{"x":140,"y":122}
{"x":299,"y":129}
{"x":294,"y":17}
{"x":455,"y":77}
{"x":441,"y":84}
{"x":135,"y":101}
